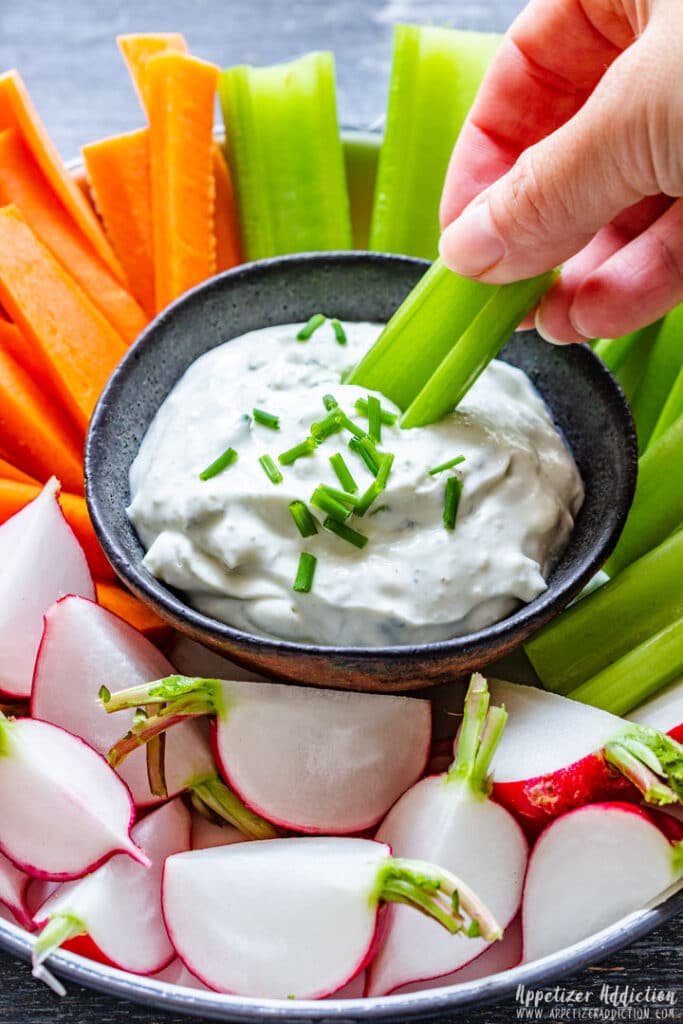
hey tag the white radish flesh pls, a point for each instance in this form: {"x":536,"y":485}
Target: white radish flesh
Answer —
{"x":589,"y":869}
{"x":193,"y":659}
{"x":64,"y":810}
{"x":41,"y":562}
{"x":448,"y":819}
{"x":119,"y":905}
{"x":14,"y":885}
{"x":177,"y":974}
{"x":664,"y":712}
{"x":207,"y":834}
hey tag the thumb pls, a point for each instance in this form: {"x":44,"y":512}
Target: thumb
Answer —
{"x":561,"y":190}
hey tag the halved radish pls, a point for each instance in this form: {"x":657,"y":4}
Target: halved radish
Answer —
{"x":557,"y":754}
{"x":448,"y":819}
{"x":64,"y":810}
{"x":298,"y":917}
{"x":14,"y":885}
{"x":318,"y":761}
{"x":41,"y":562}
{"x":664,"y":712}
{"x":119,"y":905}
{"x":589,"y":869}
{"x":207,"y":834}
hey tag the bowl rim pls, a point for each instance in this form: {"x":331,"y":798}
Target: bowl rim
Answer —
{"x":524,"y":620}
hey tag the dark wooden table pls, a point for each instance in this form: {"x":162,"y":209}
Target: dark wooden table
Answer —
{"x":67,"y":56}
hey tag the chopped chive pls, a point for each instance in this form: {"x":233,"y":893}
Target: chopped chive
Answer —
{"x":304,"y":580}
{"x":270,"y":469}
{"x":326,"y":503}
{"x":374,"y":419}
{"x":328,"y":426}
{"x":343,"y":497}
{"x":446,"y":465}
{"x":450,"y":509}
{"x":266,"y":419}
{"x":345,"y":532}
{"x":339,"y":332}
{"x":306,"y":332}
{"x":376,"y":487}
{"x":305,"y":522}
{"x":386,"y":417}
{"x":330,"y":402}
{"x":364,"y":447}
{"x":349,"y":425}
{"x":222,"y":462}
{"x":343,"y":473}
{"x":299,"y":451}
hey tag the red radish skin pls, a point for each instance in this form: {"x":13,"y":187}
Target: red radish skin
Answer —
{"x":42,"y":561}
{"x":117,"y":909}
{"x":590,"y":868}
{"x":14,"y":891}
{"x":664,"y":712}
{"x":53,"y":784}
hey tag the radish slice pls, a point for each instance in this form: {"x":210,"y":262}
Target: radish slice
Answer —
{"x":664,"y":712}
{"x":64,"y":811}
{"x":193,"y":659}
{"x":448,"y":819}
{"x":557,"y":754}
{"x":41,"y":561}
{"x":589,"y":869}
{"x":297,"y":917}
{"x":319,"y":761}
{"x":13,"y":891}
{"x":119,"y":905}
{"x":177,"y":974}
{"x":208,"y":834}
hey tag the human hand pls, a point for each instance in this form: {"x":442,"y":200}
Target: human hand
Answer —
{"x":573,"y":152}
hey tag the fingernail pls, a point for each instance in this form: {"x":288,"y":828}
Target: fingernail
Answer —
{"x":471,"y":245}
{"x":544,"y":332}
{"x":575,"y":321}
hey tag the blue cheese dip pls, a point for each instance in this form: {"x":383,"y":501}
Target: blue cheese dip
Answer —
{"x":230,"y":544}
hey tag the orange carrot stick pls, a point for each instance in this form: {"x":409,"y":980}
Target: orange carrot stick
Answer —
{"x":180,"y":93}
{"x":136,"y":49}
{"x":17,"y":111}
{"x":8,"y":471}
{"x":14,"y":495}
{"x":77,"y":346}
{"x":225,"y":219}
{"x":24,"y":353}
{"x":35,"y":433}
{"x":118,"y":169}
{"x":23,"y":184}
{"x":122,"y":603}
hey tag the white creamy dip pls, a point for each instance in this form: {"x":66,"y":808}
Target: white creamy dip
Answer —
{"x":231,"y":545}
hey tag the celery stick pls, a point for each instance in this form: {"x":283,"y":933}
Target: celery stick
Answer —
{"x":606,"y":624}
{"x":632,"y":370}
{"x":673,"y":408}
{"x":285,"y":154}
{"x":657,"y":508}
{"x":435,"y":76}
{"x":477,"y":346}
{"x":660,"y":373}
{"x":637,"y":676}
{"x":616,"y":353}
{"x":361,"y":154}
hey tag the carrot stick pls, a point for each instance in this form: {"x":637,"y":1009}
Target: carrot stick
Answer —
{"x":77,"y":346}
{"x":14,"y":495}
{"x":35,"y":433}
{"x":180,"y":92}
{"x":118,"y":169}
{"x":119,"y":601}
{"x":24,"y":353}
{"x":23,"y":184}
{"x":8,"y":471}
{"x":136,"y":49}
{"x":17,"y":111}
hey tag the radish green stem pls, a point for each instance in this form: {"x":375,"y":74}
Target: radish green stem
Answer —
{"x":219,"y":798}
{"x":480,"y":733}
{"x":156,"y":765}
{"x":643,"y":778}
{"x":59,"y":929}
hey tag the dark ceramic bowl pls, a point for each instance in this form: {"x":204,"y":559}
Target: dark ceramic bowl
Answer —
{"x":584,"y":399}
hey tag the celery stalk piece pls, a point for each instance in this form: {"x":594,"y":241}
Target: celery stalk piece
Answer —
{"x":617,"y":353}
{"x":410,"y":350}
{"x":435,"y":76}
{"x":657,"y":508}
{"x":606,"y":624}
{"x":637,"y":676}
{"x":286,"y":157}
{"x":672,"y":410}
{"x":659,"y":375}
{"x":361,"y":155}
{"x":632,"y":369}
{"x":477,"y":346}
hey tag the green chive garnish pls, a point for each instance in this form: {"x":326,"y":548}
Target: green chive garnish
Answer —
{"x":306,"y":332}
{"x":266,"y":419}
{"x":343,"y":473}
{"x":330,"y":425}
{"x":386,"y":417}
{"x":446,"y":465}
{"x":364,"y":447}
{"x":305,"y":522}
{"x":339,"y":332}
{"x":343,"y":497}
{"x":330,"y":402}
{"x":270,"y":469}
{"x":345,"y":532}
{"x":299,"y":451}
{"x":376,"y":487}
{"x":450,"y":509}
{"x":222,"y":462}
{"x":326,"y":503}
{"x":374,"y":419}
{"x":349,"y":425}
{"x":304,"y":581}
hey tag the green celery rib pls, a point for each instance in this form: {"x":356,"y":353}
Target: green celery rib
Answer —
{"x":657,"y":508}
{"x":606,"y":624}
{"x":618,"y":353}
{"x":435,"y":76}
{"x":632,"y":369}
{"x":475,"y":348}
{"x":659,"y":375}
{"x":285,"y":154}
{"x":637,"y":676}
{"x":673,"y":408}
{"x":361,"y":155}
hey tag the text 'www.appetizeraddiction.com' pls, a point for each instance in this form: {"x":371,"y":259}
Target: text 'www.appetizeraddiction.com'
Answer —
{"x":608,"y":1003}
